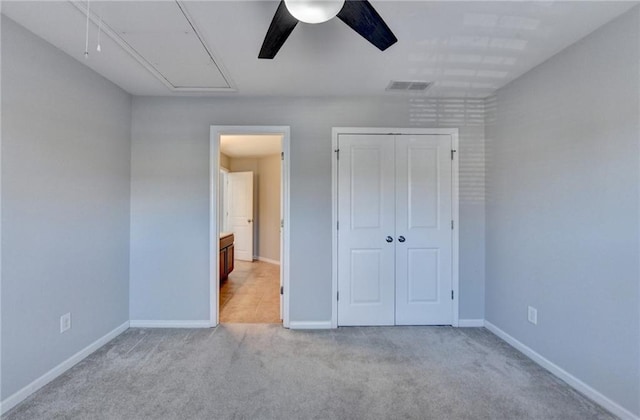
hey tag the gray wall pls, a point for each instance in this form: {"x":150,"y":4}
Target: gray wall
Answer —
{"x":65,"y":206}
{"x":170,"y":193}
{"x":269,"y":207}
{"x":563,"y":210}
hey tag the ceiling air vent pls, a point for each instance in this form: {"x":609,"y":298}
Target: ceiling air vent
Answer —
{"x":409,"y":85}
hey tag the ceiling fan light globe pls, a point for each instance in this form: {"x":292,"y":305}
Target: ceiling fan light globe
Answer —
{"x":314,"y":11}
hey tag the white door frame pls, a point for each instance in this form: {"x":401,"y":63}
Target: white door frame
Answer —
{"x":224,"y":220}
{"x":214,"y":229}
{"x":453,"y":132}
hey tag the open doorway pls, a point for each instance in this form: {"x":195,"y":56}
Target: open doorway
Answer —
{"x":249,"y":214}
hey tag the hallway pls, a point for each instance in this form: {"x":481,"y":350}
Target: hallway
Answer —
{"x":251,"y":294}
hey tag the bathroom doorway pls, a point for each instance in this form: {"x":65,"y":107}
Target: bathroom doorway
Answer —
{"x":249,"y":212}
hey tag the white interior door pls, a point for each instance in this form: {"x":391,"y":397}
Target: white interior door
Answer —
{"x":395,"y":233}
{"x":423,"y":230}
{"x":241,"y":213}
{"x":282,"y":170}
{"x":223,"y":214}
{"x":366,"y":217}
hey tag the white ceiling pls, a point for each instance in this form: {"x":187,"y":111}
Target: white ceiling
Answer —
{"x":250,"y":146}
{"x":190,"y":64}
{"x":469,"y":49}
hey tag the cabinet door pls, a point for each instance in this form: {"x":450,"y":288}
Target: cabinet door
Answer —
{"x":366,"y":218}
{"x":222,"y":261}
{"x":423,"y":266}
{"x":230,"y":258}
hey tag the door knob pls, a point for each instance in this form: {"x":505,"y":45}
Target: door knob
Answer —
{"x":401,"y":239}
{"x":389,"y":239}
{"x":249,"y":220}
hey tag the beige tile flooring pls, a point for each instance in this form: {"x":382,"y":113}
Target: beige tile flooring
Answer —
{"x":251,"y":294}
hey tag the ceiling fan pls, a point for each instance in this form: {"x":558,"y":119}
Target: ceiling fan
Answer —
{"x":358,"y":14}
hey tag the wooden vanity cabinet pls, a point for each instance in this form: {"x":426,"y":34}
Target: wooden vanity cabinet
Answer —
{"x":226,"y":255}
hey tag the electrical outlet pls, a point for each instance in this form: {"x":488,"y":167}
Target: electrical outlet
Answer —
{"x":532,"y":315}
{"x":65,"y":322}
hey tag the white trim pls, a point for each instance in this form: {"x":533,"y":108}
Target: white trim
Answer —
{"x":0,"y":208}
{"x":142,"y":323}
{"x":455,"y":212}
{"x":574,"y":382}
{"x":394,"y":130}
{"x":455,"y":232}
{"x":268,"y":260}
{"x":285,"y":257}
{"x":19,"y":396}
{"x":473,"y":323}
{"x":214,"y":234}
{"x":214,"y":228}
{"x":334,"y":225}
{"x":310,"y":325}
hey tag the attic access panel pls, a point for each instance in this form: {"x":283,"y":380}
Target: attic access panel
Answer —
{"x":165,"y":40}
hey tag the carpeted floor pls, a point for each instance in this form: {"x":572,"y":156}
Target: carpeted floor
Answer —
{"x":250,"y":371}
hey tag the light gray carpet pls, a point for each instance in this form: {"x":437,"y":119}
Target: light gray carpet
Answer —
{"x":249,"y":371}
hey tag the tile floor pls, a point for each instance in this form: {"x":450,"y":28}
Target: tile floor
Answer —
{"x":251,"y":294}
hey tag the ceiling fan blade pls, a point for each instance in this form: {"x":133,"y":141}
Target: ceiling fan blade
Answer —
{"x":281,"y":26}
{"x":363,"y":18}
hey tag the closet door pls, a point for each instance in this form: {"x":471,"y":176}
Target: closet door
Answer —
{"x":366,"y":239}
{"x":423,"y":247}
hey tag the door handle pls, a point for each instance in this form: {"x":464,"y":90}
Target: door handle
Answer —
{"x":249,"y":220}
{"x":401,"y":239}
{"x":389,"y":239}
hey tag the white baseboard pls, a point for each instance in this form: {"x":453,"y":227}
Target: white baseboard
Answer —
{"x":471,"y":323}
{"x":140,"y":323}
{"x":310,"y":325}
{"x":269,"y":260}
{"x":576,"y":383}
{"x":19,"y":396}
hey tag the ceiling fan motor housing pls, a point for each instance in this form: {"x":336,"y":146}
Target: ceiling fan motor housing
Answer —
{"x":314,"y":11}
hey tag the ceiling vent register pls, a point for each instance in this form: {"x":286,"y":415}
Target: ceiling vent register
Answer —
{"x":409,"y":85}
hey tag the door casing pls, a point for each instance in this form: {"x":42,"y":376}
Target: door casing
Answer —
{"x":214,"y":229}
{"x":453,"y":132}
